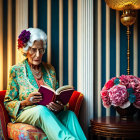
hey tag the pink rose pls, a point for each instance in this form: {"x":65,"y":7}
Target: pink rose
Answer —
{"x":104,"y":93}
{"x":105,"y":98}
{"x":109,"y":84}
{"x":104,"y":88}
{"x":106,"y":104}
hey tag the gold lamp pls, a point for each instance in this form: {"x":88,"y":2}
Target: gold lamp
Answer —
{"x":128,"y":17}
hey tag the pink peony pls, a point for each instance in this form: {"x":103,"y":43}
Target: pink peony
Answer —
{"x":118,"y":95}
{"x":137,"y":88}
{"x":137,"y":102}
{"x":124,"y":80}
{"x":134,"y":82}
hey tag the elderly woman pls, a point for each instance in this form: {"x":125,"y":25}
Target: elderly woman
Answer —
{"x":22,"y":93}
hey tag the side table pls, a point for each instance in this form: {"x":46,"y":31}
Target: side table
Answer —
{"x":114,"y":127}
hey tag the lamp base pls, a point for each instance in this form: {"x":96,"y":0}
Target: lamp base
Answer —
{"x":128,"y":18}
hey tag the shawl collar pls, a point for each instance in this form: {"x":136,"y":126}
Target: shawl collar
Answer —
{"x":46,"y":75}
{"x":32,"y":80}
{"x":30,"y":75}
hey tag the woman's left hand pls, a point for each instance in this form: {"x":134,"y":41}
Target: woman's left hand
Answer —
{"x":55,"y":107}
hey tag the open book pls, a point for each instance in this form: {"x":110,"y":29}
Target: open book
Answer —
{"x":62,"y":94}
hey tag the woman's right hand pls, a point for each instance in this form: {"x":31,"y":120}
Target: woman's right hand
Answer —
{"x":33,"y":98}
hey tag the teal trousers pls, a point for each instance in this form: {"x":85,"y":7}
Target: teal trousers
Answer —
{"x":61,"y":126}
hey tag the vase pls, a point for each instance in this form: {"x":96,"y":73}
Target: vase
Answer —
{"x":126,"y":113}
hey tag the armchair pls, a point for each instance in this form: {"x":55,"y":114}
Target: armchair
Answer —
{"x":19,"y":131}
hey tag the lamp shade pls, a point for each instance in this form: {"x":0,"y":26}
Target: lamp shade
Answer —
{"x":123,"y":4}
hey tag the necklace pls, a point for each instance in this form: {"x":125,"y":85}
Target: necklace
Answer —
{"x":37,"y":73}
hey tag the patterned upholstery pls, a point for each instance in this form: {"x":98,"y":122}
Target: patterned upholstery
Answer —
{"x":20,"y":131}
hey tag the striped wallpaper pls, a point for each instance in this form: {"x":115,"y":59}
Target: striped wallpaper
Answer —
{"x":111,"y":50}
{"x":87,"y":45}
{"x":60,"y":26}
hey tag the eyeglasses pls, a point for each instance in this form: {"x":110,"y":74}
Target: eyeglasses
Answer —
{"x":34,"y":50}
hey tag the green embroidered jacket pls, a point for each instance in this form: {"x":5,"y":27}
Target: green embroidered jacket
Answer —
{"x":22,"y":83}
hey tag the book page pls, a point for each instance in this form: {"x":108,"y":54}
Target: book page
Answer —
{"x":64,"y":96}
{"x":58,"y":91}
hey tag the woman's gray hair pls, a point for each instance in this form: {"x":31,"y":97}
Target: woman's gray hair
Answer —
{"x":36,"y":35}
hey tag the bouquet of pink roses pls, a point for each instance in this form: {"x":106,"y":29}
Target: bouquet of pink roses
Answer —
{"x":121,"y":91}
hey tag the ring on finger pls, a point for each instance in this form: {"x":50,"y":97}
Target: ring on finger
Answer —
{"x":51,"y":108}
{"x":31,"y":99}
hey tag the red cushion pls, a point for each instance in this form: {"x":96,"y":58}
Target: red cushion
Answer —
{"x":2,"y":95}
{"x":4,"y":118}
{"x":75,"y":102}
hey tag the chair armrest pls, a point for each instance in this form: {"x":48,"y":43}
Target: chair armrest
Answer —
{"x":4,"y":118}
{"x":75,"y":102}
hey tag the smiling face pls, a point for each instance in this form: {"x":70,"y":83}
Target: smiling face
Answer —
{"x":35,"y":53}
